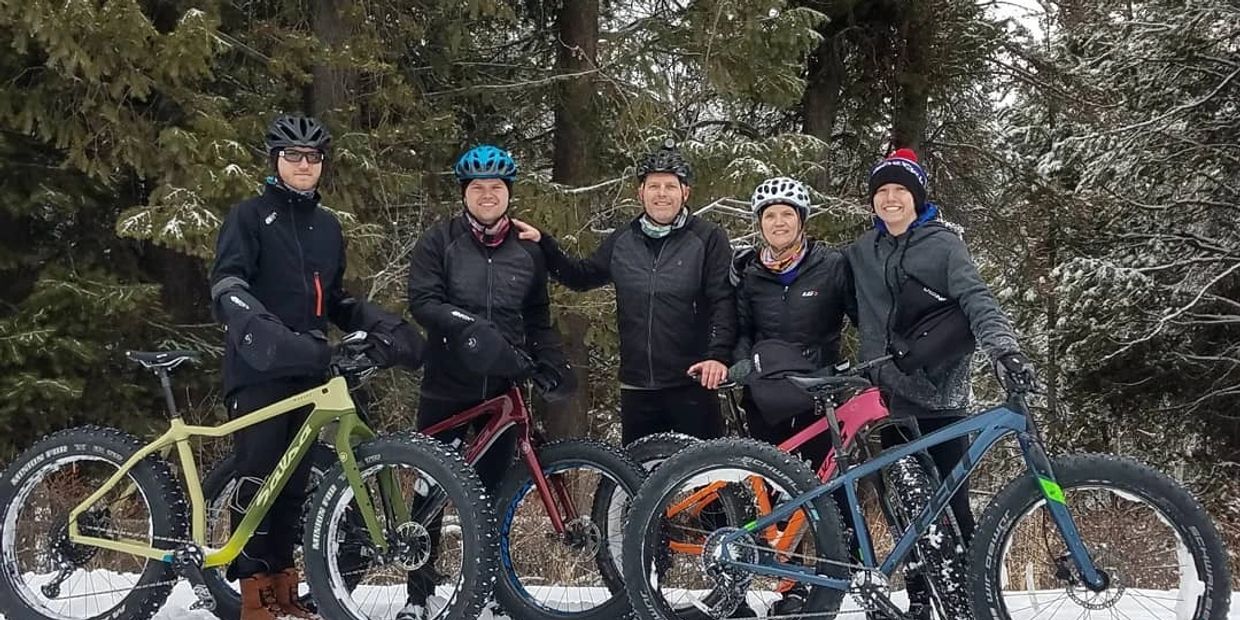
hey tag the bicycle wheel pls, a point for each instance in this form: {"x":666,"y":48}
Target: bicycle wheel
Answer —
{"x":1160,"y":553}
{"x":442,"y":558}
{"x":219,"y":489}
{"x":571,"y":574}
{"x":665,"y":579}
{"x":939,"y":555}
{"x":735,"y":504}
{"x":47,"y":577}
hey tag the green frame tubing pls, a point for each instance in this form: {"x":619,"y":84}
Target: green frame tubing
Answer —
{"x":331,"y":402}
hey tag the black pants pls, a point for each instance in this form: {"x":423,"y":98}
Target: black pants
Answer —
{"x":692,"y":410}
{"x":491,"y":469}
{"x":257,"y":449}
{"x":945,"y":456}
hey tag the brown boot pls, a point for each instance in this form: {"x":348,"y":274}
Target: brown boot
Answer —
{"x":258,"y":600}
{"x":285,"y":584}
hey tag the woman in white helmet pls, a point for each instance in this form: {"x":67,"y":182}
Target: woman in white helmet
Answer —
{"x":792,"y":295}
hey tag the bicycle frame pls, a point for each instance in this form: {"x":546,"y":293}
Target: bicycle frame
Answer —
{"x":856,"y":417}
{"x":992,"y":425}
{"x":331,"y":402}
{"x":506,"y":411}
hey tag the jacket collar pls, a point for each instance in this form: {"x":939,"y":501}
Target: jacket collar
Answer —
{"x":285,"y":196}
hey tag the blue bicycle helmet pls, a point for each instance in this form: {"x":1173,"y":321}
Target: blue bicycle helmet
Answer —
{"x":485,"y":162}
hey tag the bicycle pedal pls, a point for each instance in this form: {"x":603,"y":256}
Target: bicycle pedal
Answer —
{"x":187,"y":562}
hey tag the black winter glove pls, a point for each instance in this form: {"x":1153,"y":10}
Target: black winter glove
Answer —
{"x":555,"y":382}
{"x":741,"y":369}
{"x":484,"y":350}
{"x":1015,"y":372}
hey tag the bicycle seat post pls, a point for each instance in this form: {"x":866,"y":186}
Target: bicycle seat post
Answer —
{"x":837,"y":443}
{"x":166,"y":383}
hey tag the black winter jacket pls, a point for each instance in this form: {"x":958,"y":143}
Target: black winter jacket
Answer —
{"x":289,"y":253}
{"x":808,"y":312}
{"x":451,"y":273}
{"x":674,"y":304}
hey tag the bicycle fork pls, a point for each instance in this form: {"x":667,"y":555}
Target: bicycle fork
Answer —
{"x":1040,"y":466}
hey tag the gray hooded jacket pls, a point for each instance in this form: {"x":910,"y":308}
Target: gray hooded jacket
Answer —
{"x":937,"y":256}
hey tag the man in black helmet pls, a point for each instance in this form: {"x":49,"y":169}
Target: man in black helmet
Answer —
{"x":674,"y":302}
{"x":276,"y":282}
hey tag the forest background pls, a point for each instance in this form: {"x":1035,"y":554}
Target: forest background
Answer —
{"x":1088,"y":149}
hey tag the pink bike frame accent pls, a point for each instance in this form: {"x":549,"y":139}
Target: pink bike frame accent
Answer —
{"x":857,"y":413}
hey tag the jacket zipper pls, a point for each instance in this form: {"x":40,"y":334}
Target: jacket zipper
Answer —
{"x":784,"y":322}
{"x":301,"y":254}
{"x":318,"y":295}
{"x":654,"y":267}
{"x":490,"y":278}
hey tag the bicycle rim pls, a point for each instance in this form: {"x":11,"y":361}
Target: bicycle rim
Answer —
{"x":562,"y":572}
{"x":1150,"y":567}
{"x":688,"y":580}
{"x":425,"y":554}
{"x":37,"y":548}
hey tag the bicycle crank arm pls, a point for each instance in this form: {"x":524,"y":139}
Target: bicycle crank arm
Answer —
{"x":187,"y":562}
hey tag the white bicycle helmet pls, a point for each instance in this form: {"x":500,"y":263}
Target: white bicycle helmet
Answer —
{"x":780,"y":190}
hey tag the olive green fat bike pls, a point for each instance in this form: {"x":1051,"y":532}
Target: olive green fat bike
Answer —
{"x":94,"y":525}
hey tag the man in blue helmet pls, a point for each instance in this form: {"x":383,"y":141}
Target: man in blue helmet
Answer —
{"x":481,"y":294}
{"x":276,"y":282}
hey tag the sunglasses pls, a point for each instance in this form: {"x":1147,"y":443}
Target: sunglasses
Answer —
{"x":313,"y":157}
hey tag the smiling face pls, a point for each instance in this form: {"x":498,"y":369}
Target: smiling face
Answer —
{"x":894,"y":205}
{"x":302,"y":176}
{"x":663,"y":196}
{"x":781,"y":225}
{"x":486,"y":199}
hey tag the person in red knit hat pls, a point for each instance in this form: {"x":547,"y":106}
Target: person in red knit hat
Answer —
{"x":921,"y":300}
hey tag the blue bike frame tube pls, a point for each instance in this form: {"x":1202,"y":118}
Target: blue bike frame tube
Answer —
{"x":859,"y":528}
{"x":994,"y":424}
{"x":1040,"y":467}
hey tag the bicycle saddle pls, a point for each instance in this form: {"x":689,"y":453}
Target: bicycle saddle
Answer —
{"x":161,"y":359}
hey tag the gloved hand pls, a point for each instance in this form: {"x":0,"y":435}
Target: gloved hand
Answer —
{"x":741,"y":369}
{"x":381,"y":349}
{"x":484,"y":350}
{"x":1015,"y":372}
{"x":555,"y":382}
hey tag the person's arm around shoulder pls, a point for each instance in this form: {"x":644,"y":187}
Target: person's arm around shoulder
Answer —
{"x":578,"y":274}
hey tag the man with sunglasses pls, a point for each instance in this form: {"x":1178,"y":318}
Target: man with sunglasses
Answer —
{"x":276,"y":282}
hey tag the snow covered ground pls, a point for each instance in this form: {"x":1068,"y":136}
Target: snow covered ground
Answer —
{"x":181,"y":599}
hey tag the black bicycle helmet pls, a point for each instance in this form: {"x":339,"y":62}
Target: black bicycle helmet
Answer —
{"x":288,"y":130}
{"x":666,"y":158}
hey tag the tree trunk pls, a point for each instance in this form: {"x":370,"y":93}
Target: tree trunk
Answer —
{"x":909,"y":122}
{"x":573,"y":164}
{"x":329,"y":91}
{"x":820,"y":103}
{"x":573,"y":160}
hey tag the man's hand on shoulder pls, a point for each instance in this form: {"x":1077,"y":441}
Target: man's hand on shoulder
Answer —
{"x":526,"y":232}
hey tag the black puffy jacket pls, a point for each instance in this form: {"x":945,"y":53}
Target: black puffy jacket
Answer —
{"x":289,"y":253}
{"x":809,"y":311}
{"x":674,"y":304}
{"x":453,"y":280}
